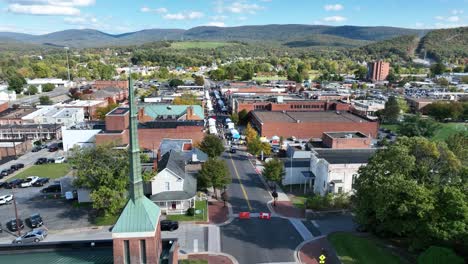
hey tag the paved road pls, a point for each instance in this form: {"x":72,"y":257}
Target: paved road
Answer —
{"x":254,"y":240}
{"x":35,"y":98}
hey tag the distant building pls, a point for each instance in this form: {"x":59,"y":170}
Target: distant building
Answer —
{"x":55,"y":115}
{"x":3,"y":106}
{"x":12,"y":148}
{"x":99,"y":84}
{"x":12,"y":116}
{"x":367,"y":108}
{"x":39,"y":82}
{"x":89,"y":106}
{"x":378,"y":71}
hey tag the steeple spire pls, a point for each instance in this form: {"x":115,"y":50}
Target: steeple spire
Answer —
{"x":136,"y":182}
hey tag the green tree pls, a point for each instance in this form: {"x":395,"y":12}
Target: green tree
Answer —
{"x":163,"y":73}
{"x":438,"y":68}
{"x":48,"y":87}
{"x":403,"y":105}
{"x":273,"y":170}
{"x":415,"y":126}
{"x":176,"y":82}
{"x":187,"y":99}
{"x":266,"y":148}
{"x":458,"y":143}
{"x":391,"y":111}
{"x":234,"y":118}
{"x":32,"y":90}
{"x":199,"y":80}
{"x":16,"y":83}
{"x":443,"y":82}
{"x":392,"y":77}
{"x":217,"y":75}
{"x":212,"y":145}
{"x":45,"y":100}
{"x":361,"y":73}
{"x":104,"y":170}
{"x":101,"y":112}
{"x":243,"y":117}
{"x":214,"y":173}
{"x":250,"y":133}
{"x":439,"y":255}
{"x":254,"y":146}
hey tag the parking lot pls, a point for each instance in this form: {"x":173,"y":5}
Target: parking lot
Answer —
{"x":57,"y":213}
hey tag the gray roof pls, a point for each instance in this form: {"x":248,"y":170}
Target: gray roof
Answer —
{"x":201,"y":156}
{"x":345,"y":156}
{"x":296,"y":163}
{"x":173,"y":161}
{"x":168,"y":144}
{"x":190,"y":190}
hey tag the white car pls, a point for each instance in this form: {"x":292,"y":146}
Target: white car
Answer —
{"x":29,"y":181}
{"x":60,"y":160}
{"x":6,"y":199}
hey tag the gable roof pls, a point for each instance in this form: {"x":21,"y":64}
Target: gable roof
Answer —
{"x":190,"y":190}
{"x":169,"y":144}
{"x":157,"y":110}
{"x":173,"y":161}
{"x":201,"y":156}
{"x":141,"y":215}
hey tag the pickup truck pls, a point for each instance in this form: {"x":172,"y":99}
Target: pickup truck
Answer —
{"x":29,"y":181}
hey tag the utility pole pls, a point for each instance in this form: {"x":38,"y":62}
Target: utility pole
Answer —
{"x":68,"y":64}
{"x":13,"y":141}
{"x":18,"y":229}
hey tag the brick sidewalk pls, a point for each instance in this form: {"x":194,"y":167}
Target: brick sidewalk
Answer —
{"x":311,"y":251}
{"x":287,"y":209}
{"x":212,"y":259}
{"x":218,"y":212}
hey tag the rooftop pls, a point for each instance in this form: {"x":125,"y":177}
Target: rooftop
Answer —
{"x":157,"y":110}
{"x":346,"y":134}
{"x":307,"y":117}
{"x":16,"y":113}
{"x":119,"y":111}
{"x":345,"y":156}
{"x":82,"y":103}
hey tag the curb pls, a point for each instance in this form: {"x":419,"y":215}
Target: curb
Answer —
{"x":297,"y":250}
{"x":230,"y":257}
{"x":230,"y":218}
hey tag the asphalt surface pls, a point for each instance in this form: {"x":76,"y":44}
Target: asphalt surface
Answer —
{"x":35,"y":98}
{"x":254,"y":240}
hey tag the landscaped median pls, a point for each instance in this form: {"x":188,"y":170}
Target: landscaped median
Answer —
{"x":51,"y":171}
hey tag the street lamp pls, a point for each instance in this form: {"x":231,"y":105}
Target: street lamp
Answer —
{"x":68,"y":64}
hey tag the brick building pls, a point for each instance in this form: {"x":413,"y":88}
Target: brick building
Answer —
{"x":17,"y":148}
{"x":156,"y":122}
{"x":13,"y":116}
{"x":104,"y":84}
{"x":378,"y":70}
{"x":3,"y":106}
{"x":306,"y":125}
{"x":346,"y":140}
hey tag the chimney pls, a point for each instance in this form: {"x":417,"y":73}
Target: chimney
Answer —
{"x":141,"y":113}
{"x":190,"y":114}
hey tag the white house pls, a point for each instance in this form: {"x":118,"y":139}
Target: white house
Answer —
{"x":336,"y":169}
{"x":173,"y":189}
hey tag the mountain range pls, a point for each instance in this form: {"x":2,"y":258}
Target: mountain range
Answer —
{"x":291,"y":35}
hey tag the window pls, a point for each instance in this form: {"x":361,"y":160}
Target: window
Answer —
{"x":167,"y":186}
{"x":126,"y":252}
{"x":340,"y":189}
{"x":143,"y":251}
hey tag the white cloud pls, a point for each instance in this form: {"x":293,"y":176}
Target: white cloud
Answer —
{"x":457,"y":11}
{"x":47,"y":7}
{"x":265,"y":1}
{"x":184,"y":16}
{"x":219,"y":18}
{"x":243,"y":7}
{"x":419,"y":25}
{"x":449,"y":25}
{"x":335,"y":7}
{"x":453,"y":19}
{"x":216,"y":24}
{"x":161,"y":10}
{"x":44,"y":10}
{"x":439,"y":17}
{"x":334,"y":19}
{"x":82,"y":20}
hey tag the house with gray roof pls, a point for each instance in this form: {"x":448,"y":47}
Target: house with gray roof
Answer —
{"x":173,"y":189}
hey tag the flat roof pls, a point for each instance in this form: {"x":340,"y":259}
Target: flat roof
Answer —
{"x":355,"y":134}
{"x":308,"y":117}
{"x":345,"y":156}
{"x":119,"y":111}
{"x":16,"y":113}
{"x":77,"y":103}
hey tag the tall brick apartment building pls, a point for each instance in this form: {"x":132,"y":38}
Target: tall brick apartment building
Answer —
{"x":156,"y":122}
{"x":306,"y":125}
{"x":378,"y":71}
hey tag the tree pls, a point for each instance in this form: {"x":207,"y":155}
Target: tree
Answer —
{"x":48,"y":87}
{"x":176,"y":82}
{"x":273,"y":170}
{"x":415,"y":126}
{"x":391,"y":111}
{"x":443,"y":82}
{"x":234,"y":118}
{"x":439,"y":255}
{"x":392,"y":77}
{"x":163,"y":73}
{"x":266,"y":148}
{"x":101,"y":112}
{"x":437,"y":69}
{"x":45,"y":100}
{"x":186,"y":99}
{"x":103,"y":170}
{"x":254,"y":146}
{"x":214,"y":173}
{"x":361,"y":73}
{"x":212,"y":145}
{"x":458,"y":143}
{"x":32,"y":90}
{"x":199,"y":80}
{"x":250,"y":133}
{"x":16,"y":83}
{"x":403,"y":105}
{"x":243,"y":117}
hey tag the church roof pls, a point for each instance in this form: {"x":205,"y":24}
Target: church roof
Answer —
{"x":141,"y":215}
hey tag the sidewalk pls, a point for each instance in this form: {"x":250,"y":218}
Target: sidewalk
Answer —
{"x":310,"y":252}
{"x":218,"y":213}
{"x":211,"y":258}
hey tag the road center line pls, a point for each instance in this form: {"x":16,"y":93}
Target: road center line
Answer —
{"x":240,"y":182}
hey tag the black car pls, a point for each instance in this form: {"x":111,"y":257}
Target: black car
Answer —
{"x":168,"y":225}
{"x":12,"y":226}
{"x":2,"y":184}
{"x":50,"y":160}
{"x":54,"y":188}
{"x":4,"y":173}
{"x":34,"y":221}
{"x":233,"y":150}
{"x":41,"y":161}
{"x":17,"y":166}
{"x":14,"y":184}
{"x":53,"y":147}
{"x":41,"y":182}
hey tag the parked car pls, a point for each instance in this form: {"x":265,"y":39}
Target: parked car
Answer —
{"x":14,"y":183}
{"x":5,"y":199}
{"x":54,"y":188}
{"x":5,"y":172}
{"x":2,"y":184}
{"x":33,"y":236}
{"x":50,"y":160}
{"x":53,"y":147}
{"x":34,"y":221}
{"x":29,"y":181}
{"x":168,"y":225}
{"x":41,"y":161}
{"x":60,"y":160}
{"x":41,"y":182}
{"x":36,"y":149}
{"x":233,"y":150}
{"x":12,"y":226}
{"x":17,"y":166}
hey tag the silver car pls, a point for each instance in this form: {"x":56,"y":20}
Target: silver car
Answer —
{"x":33,"y":236}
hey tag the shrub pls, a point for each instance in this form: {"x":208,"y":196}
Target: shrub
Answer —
{"x":191,"y":211}
{"x":439,"y":255}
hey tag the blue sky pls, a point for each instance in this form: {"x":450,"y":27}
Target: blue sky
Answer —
{"x":118,"y":16}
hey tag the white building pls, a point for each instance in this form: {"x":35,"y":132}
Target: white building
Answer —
{"x":336,"y":169}
{"x":55,"y":115}
{"x":39,"y":82}
{"x":367,"y":108}
{"x":79,"y":136}
{"x":5,"y":94}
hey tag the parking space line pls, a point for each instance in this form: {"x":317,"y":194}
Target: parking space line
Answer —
{"x":195,"y":245}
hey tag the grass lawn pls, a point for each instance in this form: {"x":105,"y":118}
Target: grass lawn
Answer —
{"x":105,"y":220}
{"x":442,"y":133}
{"x":299,"y":201}
{"x":199,"y":205}
{"x":52,"y":171}
{"x":193,"y":261}
{"x":199,"y":45}
{"x":269,"y":78}
{"x":352,"y":249}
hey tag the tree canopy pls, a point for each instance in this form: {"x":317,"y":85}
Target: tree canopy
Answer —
{"x":186,"y":99}
{"x":45,"y":100}
{"x":273,"y":170}
{"x":391,"y":111}
{"x":214,"y":173}
{"x":212,"y":145}
{"x":416,"y":126}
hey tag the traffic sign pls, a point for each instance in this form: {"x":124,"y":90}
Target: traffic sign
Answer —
{"x":244,"y":215}
{"x":266,"y":216}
